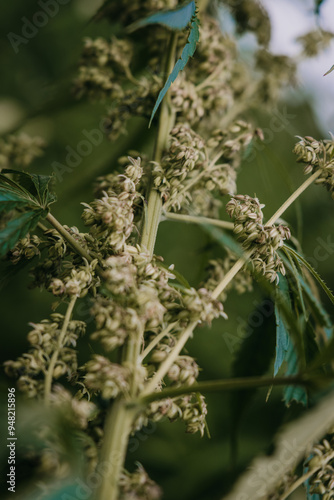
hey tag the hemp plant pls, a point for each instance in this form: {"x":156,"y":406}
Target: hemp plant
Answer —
{"x":196,"y":92}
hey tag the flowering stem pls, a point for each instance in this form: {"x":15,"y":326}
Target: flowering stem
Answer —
{"x":197,"y":220}
{"x":120,"y":417}
{"x":165,"y":366}
{"x":156,"y":340}
{"x":166,"y":121}
{"x":68,"y":237}
{"x":54,"y":357}
{"x":223,"y":385}
{"x":239,"y":264}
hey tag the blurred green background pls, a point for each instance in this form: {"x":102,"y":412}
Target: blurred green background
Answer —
{"x":35,"y":97}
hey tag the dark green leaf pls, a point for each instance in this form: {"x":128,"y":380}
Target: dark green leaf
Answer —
{"x":318,"y":6}
{"x":293,"y":392}
{"x":187,"y":52}
{"x":316,"y":307}
{"x":308,"y":266}
{"x":282,"y":335}
{"x":17,"y":228}
{"x":9,"y":200}
{"x":14,"y":186}
{"x":176,"y":19}
{"x":36,"y":185}
{"x":253,"y":358}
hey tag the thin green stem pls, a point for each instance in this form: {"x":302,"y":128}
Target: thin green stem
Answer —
{"x":223,"y":385}
{"x":293,"y":197}
{"x":156,"y":340}
{"x":165,"y":366}
{"x":239,"y":264}
{"x":54,"y":357}
{"x":197,"y":220}
{"x":68,"y":237}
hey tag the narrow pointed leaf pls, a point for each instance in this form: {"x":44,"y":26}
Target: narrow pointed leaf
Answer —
{"x":329,"y":71}
{"x":17,"y":228}
{"x":282,"y":335}
{"x":176,"y":19}
{"x":293,"y":392}
{"x":316,"y":307}
{"x":314,"y":273}
{"x":187,"y":52}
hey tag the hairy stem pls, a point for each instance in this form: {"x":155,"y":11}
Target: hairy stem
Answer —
{"x":239,"y":264}
{"x":166,"y":121}
{"x":197,"y":220}
{"x":54,"y":357}
{"x":120,"y":417}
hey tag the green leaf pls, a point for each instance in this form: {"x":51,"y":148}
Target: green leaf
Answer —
{"x":176,"y":19}
{"x":9,"y":200}
{"x":13,"y":186}
{"x":187,"y":52}
{"x":36,"y":185}
{"x":282,"y":335}
{"x":314,"y":273}
{"x":293,"y":392}
{"x":317,"y":309}
{"x":180,"y":278}
{"x":329,"y":71}
{"x":258,"y":345}
{"x":17,"y":228}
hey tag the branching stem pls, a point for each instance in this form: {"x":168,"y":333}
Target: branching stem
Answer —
{"x":165,"y":366}
{"x":68,"y":237}
{"x":54,"y":357}
{"x":120,"y":417}
{"x":156,"y":340}
{"x":197,"y":220}
{"x":239,"y":264}
{"x":223,"y":385}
